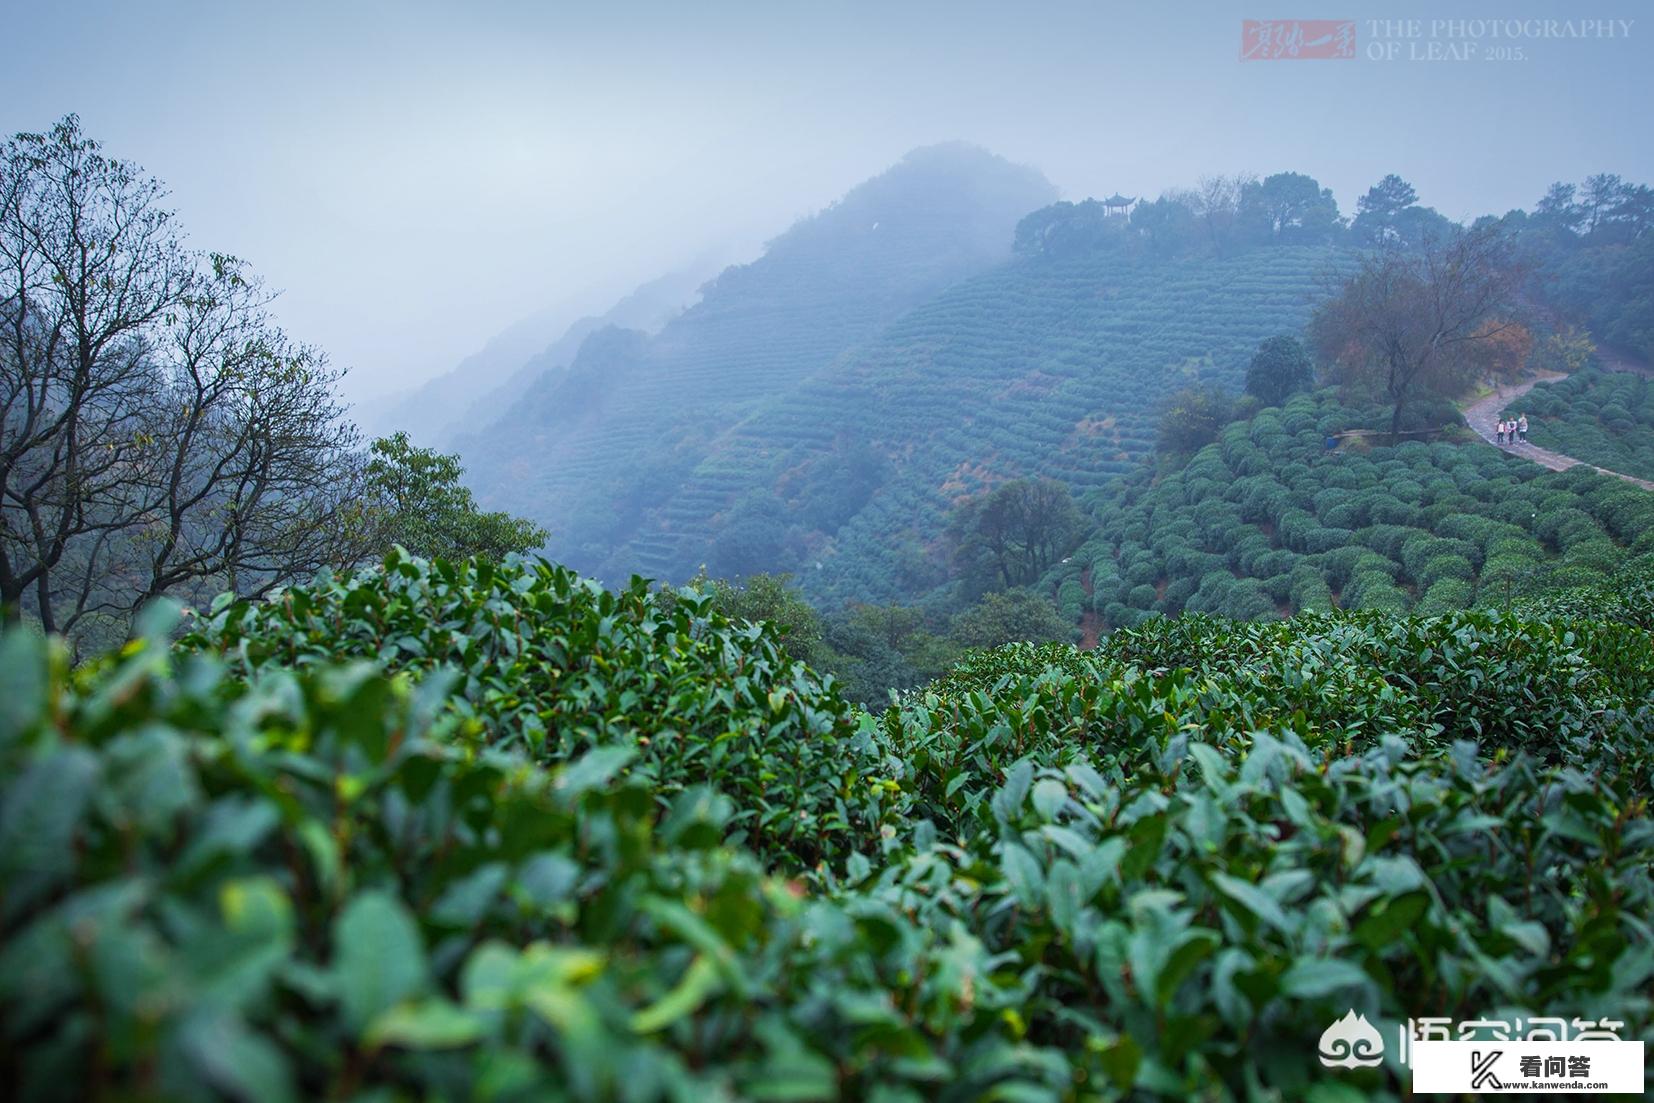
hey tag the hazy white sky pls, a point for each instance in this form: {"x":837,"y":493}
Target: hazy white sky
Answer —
{"x":417,"y":175}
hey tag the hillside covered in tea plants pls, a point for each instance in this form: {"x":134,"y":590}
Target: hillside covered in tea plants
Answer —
{"x":442,"y":830}
{"x":1290,"y":511}
{"x":1054,"y":366}
{"x":942,"y":329}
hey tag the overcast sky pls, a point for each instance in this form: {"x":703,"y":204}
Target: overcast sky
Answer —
{"x":416,"y":176}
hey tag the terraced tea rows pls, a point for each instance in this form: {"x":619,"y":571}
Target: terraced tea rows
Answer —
{"x":1268,"y":521}
{"x":1046,"y":368}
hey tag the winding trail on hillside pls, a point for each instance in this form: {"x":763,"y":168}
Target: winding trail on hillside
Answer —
{"x":1483,"y":416}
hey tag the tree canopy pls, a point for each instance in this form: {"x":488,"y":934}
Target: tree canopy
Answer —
{"x":1013,"y":534}
{"x":1192,"y":419}
{"x":415,"y":499}
{"x":1281,"y":367}
{"x":1288,"y":207}
{"x":1390,"y":214}
{"x":159,"y":433}
{"x":1010,"y":616}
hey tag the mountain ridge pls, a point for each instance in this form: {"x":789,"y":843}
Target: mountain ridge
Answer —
{"x":826,"y":284}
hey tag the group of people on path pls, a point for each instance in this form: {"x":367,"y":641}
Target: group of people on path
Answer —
{"x":1513,"y":430}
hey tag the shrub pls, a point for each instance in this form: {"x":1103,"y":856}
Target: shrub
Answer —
{"x":1247,"y":600}
{"x":1308,"y":590}
{"x":554,"y":665}
{"x":1374,"y":590}
{"x":1386,"y":540}
{"x":1326,"y":539}
{"x":1597,"y":553}
{"x":1141,"y":597}
{"x":1418,"y":550}
{"x":1444,"y":596}
{"x":1249,"y":551}
{"x":1445,"y":566}
{"x":308,"y":879}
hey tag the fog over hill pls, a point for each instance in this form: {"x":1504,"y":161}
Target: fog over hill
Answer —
{"x":594,"y":452}
{"x":425,"y":411}
{"x":458,"y":402}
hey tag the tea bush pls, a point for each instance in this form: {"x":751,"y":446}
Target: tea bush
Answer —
{"x":311,"y":883}
{"x":557,"y":665}
{"x":450,"y":831}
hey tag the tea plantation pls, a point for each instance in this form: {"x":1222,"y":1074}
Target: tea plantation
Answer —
{"x":1604,"y":418}
{"x":446,"y":831}
{"x":1268,"y":520}
{"x":1054,"y":367}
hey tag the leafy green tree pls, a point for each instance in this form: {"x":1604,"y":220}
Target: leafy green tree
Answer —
{"x":1378,"y":212}
{"x":1013,"y":534}
{"x":1560,"y":208}
{"x":829,"y":489}
{"x":1390,"y":214}
{"x":1167,"y":225}
{"x":1599,"y":198}
{"x":1069,"y":229}
{"x":1192,"y":419}
{"x":1280,"y":367}
{"x":753,"y":538}
{"x":1631,"y":215}
{"x":415,"y":498}
{"x":1010,"y":616}
{"x":1288,"y":207}
{"x":773,"y":598}
{"x":1385,"y":199}
{"x":874,"y":649}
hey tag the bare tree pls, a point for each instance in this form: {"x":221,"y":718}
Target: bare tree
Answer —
{"x":158,"y":434}
{"x":1406,"y":323}
{"x":1216,"y":203}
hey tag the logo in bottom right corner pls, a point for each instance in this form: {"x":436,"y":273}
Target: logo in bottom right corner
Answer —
{"x":1490,"y":1056}
{"x":1528,"y":1067}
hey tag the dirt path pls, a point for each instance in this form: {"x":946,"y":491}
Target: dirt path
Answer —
{"x":1483,"y":416}
{"x":1091,"y":623}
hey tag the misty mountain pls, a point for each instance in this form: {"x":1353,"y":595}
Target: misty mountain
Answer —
{"x":597,"y":452}
{"x":444,"y":410}
{"x":426,"y":411}
{"x":646,"y":309}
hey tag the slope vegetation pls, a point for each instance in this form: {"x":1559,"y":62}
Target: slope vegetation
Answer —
{"x":1054,"y":366}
